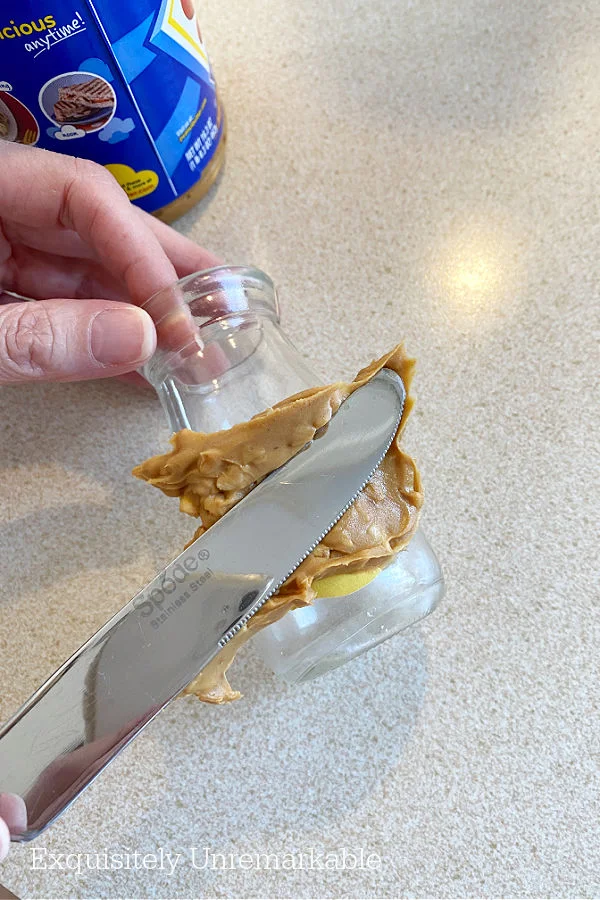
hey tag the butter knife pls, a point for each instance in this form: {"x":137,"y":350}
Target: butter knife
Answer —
{"x":106,"y":693}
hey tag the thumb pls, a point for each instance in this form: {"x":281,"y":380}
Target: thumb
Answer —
{"x":67,"y":340}
{"x":13,"y":821}
{"x":4,"y":839}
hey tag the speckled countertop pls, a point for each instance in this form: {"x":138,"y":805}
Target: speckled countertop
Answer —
{"x":426,"y":171}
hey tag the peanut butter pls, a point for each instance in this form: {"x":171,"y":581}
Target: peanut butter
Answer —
{"x":210,"y":473}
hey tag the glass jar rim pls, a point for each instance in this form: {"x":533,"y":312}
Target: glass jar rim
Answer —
{"x":238,"y":293}
{"x":241,"y":277}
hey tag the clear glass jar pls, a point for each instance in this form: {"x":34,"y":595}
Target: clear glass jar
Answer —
{"x":222,"y":357}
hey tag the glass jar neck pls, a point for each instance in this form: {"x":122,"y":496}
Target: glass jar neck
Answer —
{"x":235,"y":362}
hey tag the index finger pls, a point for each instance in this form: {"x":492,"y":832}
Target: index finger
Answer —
{"x":44,"y":189}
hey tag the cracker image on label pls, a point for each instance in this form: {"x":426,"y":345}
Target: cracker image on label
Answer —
{"x":81,"y":99}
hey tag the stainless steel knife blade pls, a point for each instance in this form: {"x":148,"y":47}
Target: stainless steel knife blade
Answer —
{"x":142,"y":658}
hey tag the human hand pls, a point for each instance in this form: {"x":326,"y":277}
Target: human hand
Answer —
{"x":4,"y":839}
{"x":13,"y":818}
{"x":70,"y":238}
{"x":61,"y":782}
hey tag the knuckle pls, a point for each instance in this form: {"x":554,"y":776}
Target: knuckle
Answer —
{"x":94,"y":176}
{"x":87,"y":181}
{"x":28,"y":341}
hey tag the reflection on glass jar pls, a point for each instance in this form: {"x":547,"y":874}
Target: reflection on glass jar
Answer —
{"x":247,"y":365}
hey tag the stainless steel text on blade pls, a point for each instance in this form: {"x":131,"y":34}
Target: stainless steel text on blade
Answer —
{"x":98,"y":700}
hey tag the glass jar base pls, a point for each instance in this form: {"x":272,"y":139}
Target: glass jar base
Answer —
{"x":371,"y":635}
{"x":315,"y":639}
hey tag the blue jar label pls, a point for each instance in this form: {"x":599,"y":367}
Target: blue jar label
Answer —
{"x":126,"y":84}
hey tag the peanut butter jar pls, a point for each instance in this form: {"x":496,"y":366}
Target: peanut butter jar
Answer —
{"x":178,"y":207}
{"x":125,"y":83}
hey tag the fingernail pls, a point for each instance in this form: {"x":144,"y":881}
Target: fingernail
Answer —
{"x":122,"y":336}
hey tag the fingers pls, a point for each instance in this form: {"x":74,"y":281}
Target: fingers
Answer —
{"x":14,"y":818}
{"x":81,"y":196}
{"x":40,"y":275}
{"x":77,"y":235}
{"x":62,"y":340}
{"x":63,"y":242}
{"x":186,"y":256}
{"x":14,"y":812}
{"x":4,"y":840}
{"x":43,"y":266}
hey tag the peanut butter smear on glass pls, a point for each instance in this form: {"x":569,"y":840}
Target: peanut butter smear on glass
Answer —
{"x":210,"y":473}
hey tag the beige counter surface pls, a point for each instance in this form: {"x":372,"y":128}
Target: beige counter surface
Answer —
{"x":421,"y":171}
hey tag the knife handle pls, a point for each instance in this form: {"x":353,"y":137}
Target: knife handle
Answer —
{"x":113,"y":686}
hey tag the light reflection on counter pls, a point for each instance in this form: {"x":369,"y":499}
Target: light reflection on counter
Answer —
{"x":476,"y":274}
